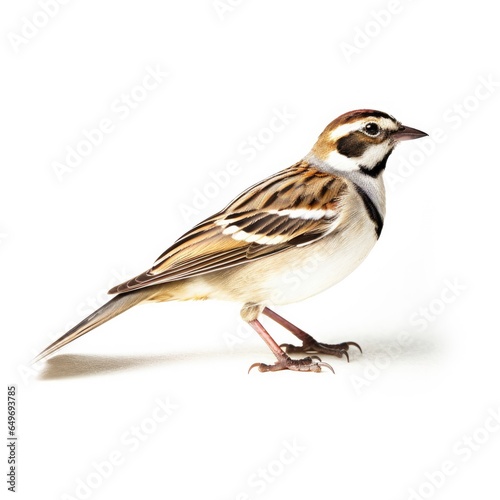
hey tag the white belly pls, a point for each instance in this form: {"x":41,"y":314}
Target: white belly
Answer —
{"x":302,"y":272}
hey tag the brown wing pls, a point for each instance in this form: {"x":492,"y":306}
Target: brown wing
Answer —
{"x":291,"y":208}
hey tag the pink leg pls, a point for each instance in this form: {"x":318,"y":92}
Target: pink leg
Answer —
{"x":284,"y":361}
{"x":309,"y":344}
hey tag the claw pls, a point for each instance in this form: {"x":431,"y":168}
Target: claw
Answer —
{"x":355,"y":344}
{"x":326,"y":365}
{"x":346,"y":355}
{"x":316,"y":357}
{"x":253,"y":366}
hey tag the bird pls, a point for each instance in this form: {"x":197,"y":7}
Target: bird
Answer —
{"x":286,"y":238}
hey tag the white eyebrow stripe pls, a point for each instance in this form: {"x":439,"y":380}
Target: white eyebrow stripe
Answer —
{"x":347,"y":128}
{"x":387,"y":124}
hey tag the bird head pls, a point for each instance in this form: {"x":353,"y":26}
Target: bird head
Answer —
{"x":361,"y":140}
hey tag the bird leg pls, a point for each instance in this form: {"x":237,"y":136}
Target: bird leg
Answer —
{"x":309,"y":364}
{"x":309,"y":344}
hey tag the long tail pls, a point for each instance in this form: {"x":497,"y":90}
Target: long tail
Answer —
{"x":113,"y":308}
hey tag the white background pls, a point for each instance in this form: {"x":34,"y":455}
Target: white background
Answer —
{"x":385,"y":423}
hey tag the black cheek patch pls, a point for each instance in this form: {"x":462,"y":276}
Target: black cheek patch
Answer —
{"x":351,"y":146}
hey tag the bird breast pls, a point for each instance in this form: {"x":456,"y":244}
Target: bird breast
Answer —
{"x":300,"y":272}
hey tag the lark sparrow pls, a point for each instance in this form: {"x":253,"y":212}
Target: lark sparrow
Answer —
{"x":318,"y":219}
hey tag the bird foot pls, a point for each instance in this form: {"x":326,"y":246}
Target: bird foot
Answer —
{"x":309,"y":364}
{"x":312,"y":346}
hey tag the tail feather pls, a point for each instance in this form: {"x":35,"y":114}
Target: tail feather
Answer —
{"x":113,"y":308}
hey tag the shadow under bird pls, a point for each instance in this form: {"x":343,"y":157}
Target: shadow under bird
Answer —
{"x":328,"y":209}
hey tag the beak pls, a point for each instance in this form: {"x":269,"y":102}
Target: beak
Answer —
{"x":407,"y":133}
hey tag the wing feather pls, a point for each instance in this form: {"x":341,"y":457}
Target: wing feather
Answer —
{"x":291,"y":208}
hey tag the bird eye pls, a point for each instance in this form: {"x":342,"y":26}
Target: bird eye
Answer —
{"x":372,"y":129}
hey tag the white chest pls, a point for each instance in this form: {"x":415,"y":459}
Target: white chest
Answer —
{"x":320,"y":265}
{"x":299,"y":273}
